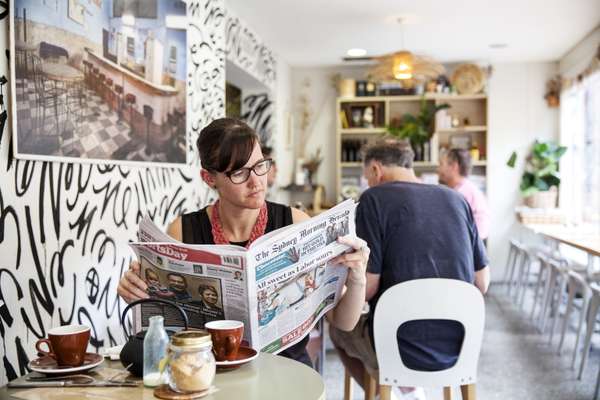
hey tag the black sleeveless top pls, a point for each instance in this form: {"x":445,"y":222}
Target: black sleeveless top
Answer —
{"x":196,"y":229}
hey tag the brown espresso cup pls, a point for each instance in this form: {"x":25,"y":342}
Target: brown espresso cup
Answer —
{"x":66,"y":344}
{"x":226,"y":337}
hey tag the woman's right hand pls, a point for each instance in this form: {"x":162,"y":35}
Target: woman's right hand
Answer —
{"x":131,"y":286}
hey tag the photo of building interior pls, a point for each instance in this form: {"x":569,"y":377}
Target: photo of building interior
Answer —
{"x":102,"y":79}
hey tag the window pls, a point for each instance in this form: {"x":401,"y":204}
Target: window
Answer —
{"x":130,"y":46}
{"x":173,"y":60}
{"x":137,"y":8}
{"x":580,"y":167}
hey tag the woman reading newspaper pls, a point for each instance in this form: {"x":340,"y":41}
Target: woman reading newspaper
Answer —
{"x":233,"y":165}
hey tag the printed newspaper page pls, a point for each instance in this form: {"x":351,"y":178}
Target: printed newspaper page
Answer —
{"x":279,"y":288}
{"x":208,"y":282}
{"x":295,"y":285}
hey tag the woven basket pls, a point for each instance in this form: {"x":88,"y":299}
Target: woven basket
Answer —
{"x":542,"y":199}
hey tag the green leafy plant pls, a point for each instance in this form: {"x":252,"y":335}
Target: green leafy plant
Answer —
{"x":541,"y":167}
{"x":419,"y":128}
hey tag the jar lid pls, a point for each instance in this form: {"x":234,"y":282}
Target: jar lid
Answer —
{"x":191,"y":339}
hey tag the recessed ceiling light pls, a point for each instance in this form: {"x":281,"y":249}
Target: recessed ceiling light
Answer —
{"x":498,"y":46}
{"x":356,"y":52}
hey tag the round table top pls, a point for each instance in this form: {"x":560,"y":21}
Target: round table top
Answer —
{"x":269,"y":377}
{"x":61,"y":72}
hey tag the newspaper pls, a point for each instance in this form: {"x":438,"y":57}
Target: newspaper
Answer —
{"x":279,"y":287}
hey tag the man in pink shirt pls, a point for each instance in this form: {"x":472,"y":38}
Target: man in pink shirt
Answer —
{"x":453,"y":171}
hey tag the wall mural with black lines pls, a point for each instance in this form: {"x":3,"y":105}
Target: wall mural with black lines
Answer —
{"x":258,"y":112}
{"x":246,"y":50}
{"x":64,"y":227}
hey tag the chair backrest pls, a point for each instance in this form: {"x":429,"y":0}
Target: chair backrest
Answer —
{"x":428,"y":299}
{"x":39,"y":80}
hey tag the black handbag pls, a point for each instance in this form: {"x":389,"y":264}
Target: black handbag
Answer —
{"x":132,"y":354}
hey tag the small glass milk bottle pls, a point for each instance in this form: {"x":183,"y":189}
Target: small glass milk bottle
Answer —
{"x":155,"y":349}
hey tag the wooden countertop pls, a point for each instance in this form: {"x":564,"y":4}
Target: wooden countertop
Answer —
{"x":586,"y":237}
{"x":163,"y":90}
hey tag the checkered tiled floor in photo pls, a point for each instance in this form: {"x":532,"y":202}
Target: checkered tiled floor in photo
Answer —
{"x":94,"y":131}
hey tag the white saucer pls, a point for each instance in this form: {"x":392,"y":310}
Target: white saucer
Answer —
{"x":47,"y":365}
{"x":245,"y":355}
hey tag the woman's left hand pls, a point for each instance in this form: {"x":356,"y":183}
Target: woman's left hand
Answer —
{"x":356,"y":260}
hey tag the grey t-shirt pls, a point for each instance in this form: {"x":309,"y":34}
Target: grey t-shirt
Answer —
{"x":418,"y":231}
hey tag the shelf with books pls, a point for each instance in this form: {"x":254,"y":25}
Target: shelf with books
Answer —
{"x":463,"y":125}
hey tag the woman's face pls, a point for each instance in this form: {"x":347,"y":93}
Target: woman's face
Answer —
{"x":210,"y":297}
{"x":249,"y":194}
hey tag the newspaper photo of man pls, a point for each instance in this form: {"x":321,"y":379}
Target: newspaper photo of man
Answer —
{"x":331,"y":233}
{"x":237,"y":275}
{"x":178,"y":285}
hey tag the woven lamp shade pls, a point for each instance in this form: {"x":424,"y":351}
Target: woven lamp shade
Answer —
{"x":403,"y":65}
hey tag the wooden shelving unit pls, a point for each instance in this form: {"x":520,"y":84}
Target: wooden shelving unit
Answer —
{"x":362,"y":131}
{"x":350,"y":138}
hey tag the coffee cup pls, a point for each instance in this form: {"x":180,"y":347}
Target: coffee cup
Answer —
{"x":226,"y":337}
{"x":66,"y":344}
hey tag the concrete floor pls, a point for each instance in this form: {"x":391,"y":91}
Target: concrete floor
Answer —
{"x":516,"y":360}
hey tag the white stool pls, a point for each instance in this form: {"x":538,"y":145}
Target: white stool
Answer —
{"x":576,"y":285}
{"x":511,"y":262}
{"x":543,"y":273}
{"x":556,"y":278}
{"x":592,"y":313}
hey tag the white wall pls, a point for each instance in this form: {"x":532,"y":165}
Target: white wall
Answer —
{"x":579,"y":57}
{"x":517,"y":115}
{"x":322,"y":95}
{"x":284,"y":152}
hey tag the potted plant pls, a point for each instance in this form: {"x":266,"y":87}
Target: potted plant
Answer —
{"x":419,"y":128}
{"x":540,"y":181}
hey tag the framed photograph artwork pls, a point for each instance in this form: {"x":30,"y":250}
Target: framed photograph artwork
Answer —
{"x":92,"y":83}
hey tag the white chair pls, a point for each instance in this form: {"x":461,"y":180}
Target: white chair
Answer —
{"x":429,"y":299}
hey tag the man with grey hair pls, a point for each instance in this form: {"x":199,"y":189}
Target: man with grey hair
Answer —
{"x":414,"y":231}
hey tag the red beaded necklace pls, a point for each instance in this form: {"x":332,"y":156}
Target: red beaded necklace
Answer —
{"x":257,"y":230}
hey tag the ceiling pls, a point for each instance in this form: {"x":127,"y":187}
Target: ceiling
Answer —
{"x":319,"y":32}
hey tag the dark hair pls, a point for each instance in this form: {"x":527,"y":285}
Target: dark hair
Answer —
{"x":150,"y":271}
{"x":267,"y":151}
{"x":390,"y":152}
{"x":462,"y":158}
{"x":170,"y":274}
{"x":202,"y":288}
{"x":226,"y":144}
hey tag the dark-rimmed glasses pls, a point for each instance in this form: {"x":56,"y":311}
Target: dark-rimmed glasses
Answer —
{"x":241,"y":175}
